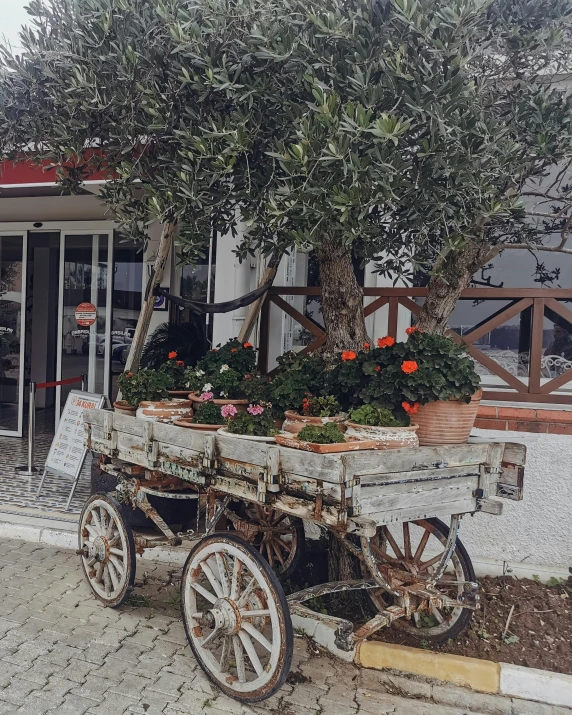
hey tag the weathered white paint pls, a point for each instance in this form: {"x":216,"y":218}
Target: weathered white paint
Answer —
{"x":539,"y":685}
{"x":535,"y":532}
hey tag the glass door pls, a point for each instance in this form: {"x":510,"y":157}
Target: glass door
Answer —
{"x":13,"y":247}
{"x":84,"y":312}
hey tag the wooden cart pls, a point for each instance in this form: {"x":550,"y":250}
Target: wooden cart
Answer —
{"x":386,"y":507}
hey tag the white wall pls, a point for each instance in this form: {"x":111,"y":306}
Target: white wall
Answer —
{"x":535,"y":534}
{"x":52,"y":208}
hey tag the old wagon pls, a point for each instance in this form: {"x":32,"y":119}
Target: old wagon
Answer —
{"x":386,"y":507}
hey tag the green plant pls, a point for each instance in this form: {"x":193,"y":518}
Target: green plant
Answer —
{"x":257,"y":421}
{"x":377,"y":417}
{"x":256,"y":387}
{"x":174,"y":371}
{"x":296,"y":376}
{"x":326,"y":406}
{"x":186,"y":339}
{"x":329,"y":433}
{"x":208,"y":414}
{"x":223,"y":383}
{"x":144,"y":385}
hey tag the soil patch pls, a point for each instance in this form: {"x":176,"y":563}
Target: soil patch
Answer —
{"x":539,"y":634}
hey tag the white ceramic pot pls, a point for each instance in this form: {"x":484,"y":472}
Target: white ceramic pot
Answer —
{"x":164,"y":410}
{"x":385,"y":437}
{"x":250,"y":438}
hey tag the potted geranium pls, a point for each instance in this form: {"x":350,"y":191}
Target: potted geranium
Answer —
{"x":314,"y":411}
{"x":146,"y":392}
{"x":174,"y":371}
{"x":256,"y":423}
{"x":380,"y":424}
{"x":207,"y":418}
{"x":433,"y":380}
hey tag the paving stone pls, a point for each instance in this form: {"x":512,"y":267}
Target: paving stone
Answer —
{"x":17,"y":691}
{"x":169,"y":684}
{"x":93,"y":687}
{"x":131,"y":684}
{"x":78,"y":670}
{"x":39,"y":672}
{"x":113,"y":704}
{"x":35,"y":705}
{"x":464,"y":698}
{"x":8,"y":671}
{"x":72,"y":705}
{"x":57,"y":688}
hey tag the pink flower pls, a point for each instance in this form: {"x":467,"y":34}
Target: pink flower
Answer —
{"x":255,"y":409}
{"x":207,"y":396}
{"x":228,"y":411}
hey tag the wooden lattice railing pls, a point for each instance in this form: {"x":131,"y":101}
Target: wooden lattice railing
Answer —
{"x":547,"y":375}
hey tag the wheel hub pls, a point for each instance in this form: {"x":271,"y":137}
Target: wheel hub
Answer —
{"x":224,"y":616}
{"x":98,"y":549}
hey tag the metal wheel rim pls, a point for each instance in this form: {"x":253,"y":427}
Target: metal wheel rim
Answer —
{"x":107,"y":560}
{"x":415,"y":625}
{"x":274,"y":546}
{"x":246,"y":589}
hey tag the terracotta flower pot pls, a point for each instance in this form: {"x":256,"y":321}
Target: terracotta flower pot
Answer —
{"x":294,"y":421}
{"x":164,"y":410}
{"x":186,"y":422}
{"x":446,"y":421}
{"x":122,"y":407}
{"x":385,"y":437}
{"x":240,"y":405}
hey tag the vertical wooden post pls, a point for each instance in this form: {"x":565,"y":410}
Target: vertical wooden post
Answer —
{"x":165,"y":242}
{"x":392,"y":316}
{"x":535,"y":363}
{"x":264,"y":336}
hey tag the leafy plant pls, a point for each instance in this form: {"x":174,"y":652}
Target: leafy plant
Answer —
{"x":174,"y":371}
{"x":224,"y":383}
{"x":208,"y":414}
{"x":377,"y":417}
{"x":326,"y":406}
{"x":329,"y":433}
{"x":186,"y":339}
{"x":145,"y":385}
{"x":257,"y":421}
{"x":296,"y":376}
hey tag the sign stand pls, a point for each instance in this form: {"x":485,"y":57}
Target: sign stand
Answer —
{"x":68,"y":451}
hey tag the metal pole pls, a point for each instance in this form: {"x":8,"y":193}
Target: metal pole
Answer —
{"x":83,"y":382}
{"x":29,"y":470}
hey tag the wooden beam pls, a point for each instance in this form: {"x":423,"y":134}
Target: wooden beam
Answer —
{"x":410,"y":305}
{"x":558,"y":308}
{"x":298,"y":317}
{"x":535,"y":363}
{"x":255,"y":308}
{"x":496,"y":369}
{"x":496,"y":320}
{"x":392,"y":317}
{"x":375,"y":305}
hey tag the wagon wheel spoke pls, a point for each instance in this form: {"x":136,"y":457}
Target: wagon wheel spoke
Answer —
{"x":236,"y":579}
{"x":437,"y":614}
{"x":424,"y":565}
{"x":389,"y":536}
{"x":252,"y":631}
{"x":421,"y":546}
{"x":277,"y":552}
{"x":223,"y":574}
{"x":384,"y":557}
{"x":407,"y":541}
{"x":204,"y":593}
{"x":212,"y":579}
{"x":223,"y":663}
{"x":250,"y":652}
{"x":239,"y":657}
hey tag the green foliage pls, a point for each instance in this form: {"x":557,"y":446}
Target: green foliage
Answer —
{"x":222,"y":371}
{"x":145,"y":385}
{"x":186,"y":339}
{"x":377,"y":417}
{"x":444,"y":371}
{"x":174,"y":371}
{"x":261,"y":425}
{"x":297,"y":376}
{"x":329,"y":433}
{"x":326,"y":406}
{"x":208,"y":414}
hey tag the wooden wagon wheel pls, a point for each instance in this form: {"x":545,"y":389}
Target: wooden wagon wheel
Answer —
{"x":107,"y":549}
{"x":236,"y":618}
{"x":282,"y":544}
{"x":417,"y":547}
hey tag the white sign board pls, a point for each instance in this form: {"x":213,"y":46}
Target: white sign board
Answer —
{"x":67,"y":453}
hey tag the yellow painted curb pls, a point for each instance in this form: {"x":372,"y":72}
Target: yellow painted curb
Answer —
{"x":480,"y":675}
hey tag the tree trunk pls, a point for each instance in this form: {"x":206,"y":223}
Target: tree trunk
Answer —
{"x":451,"y":277}
{"x":165,"y":243}
{"x":342,"y":301}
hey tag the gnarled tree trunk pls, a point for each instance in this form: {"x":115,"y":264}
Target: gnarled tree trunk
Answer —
{"x":452,"y":275}
{"x":342,"y":300}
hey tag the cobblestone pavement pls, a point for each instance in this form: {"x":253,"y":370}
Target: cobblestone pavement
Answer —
{"x":62,"y":652}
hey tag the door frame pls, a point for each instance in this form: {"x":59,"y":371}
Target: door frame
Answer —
{"x":24,"y":236}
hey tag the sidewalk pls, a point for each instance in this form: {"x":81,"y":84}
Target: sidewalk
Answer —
{"x":62,"y":653}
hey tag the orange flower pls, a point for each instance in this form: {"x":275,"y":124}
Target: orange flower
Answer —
{"x":172,"y":354}
{"x":247,"y":345}
{"x":410,"y":409}
{"x":349,"y":355}
{"x":366,"y":346}
{"x":129,"y":374}
{"x":412,"y":330}
{"x":409,"y":366}
{"x":234,"y":350}
{"x":386,"y":342}
{"x":378,"y":368}
{"x":180,"y":363}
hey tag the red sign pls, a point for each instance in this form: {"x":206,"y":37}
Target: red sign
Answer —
{"x":86,"y":314}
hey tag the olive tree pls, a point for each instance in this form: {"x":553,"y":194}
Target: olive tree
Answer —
{"x":402,"y":132}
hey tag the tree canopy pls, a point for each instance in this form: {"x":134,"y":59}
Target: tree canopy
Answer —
{"x":405,"y":132}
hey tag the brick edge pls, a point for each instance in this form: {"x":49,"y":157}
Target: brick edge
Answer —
{"x":524,"y":419}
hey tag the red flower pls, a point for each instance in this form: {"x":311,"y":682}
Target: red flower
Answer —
{"x":129,"y":374}
{"x":366,"y":346}
{"x":409,"y":366}
{"x":247,"y":345}
{"x":410,"y":409}
{"x":386,"y":342}
{"x":234,"y":350}
{"x":412,"y":330}
{"x":180,"y":363}
{"x":172,"y":354}
{"x":378,"y":368}
{"x":349,"y":355}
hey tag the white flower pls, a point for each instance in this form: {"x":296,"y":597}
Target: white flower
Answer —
{"x":223,"y":394}
{"x":207,"y":387}
{"x":199,"y":373}
{"x":224,"y":368}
